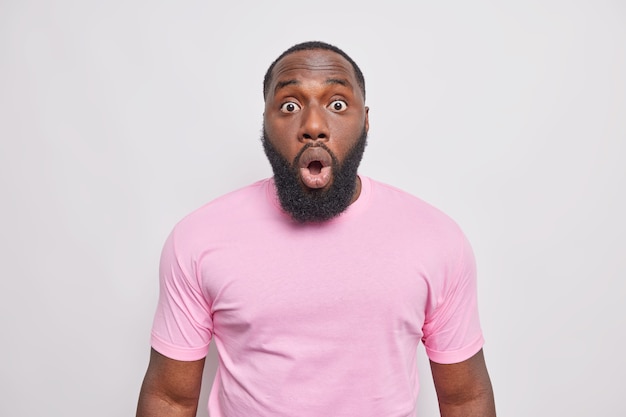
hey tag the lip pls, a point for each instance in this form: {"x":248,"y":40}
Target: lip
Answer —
{"x":315,"y":178}
{"x":314,"y":154}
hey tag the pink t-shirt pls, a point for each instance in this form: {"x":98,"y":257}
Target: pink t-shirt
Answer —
{"x":317,"y":319}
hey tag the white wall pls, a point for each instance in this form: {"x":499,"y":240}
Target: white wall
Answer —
{"x":117,"y":118}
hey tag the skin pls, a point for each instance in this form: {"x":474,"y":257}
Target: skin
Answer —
{"x":313,"y":96}
{"x":464,"y":388}
{"x":170,"y":388}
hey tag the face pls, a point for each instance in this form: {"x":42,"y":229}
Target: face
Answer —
{"x":315,"y":128}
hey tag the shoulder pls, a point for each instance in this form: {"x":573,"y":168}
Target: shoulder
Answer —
{"x":406,"y":207}
{"x":226,"y":212}
{"x":416,"y":225}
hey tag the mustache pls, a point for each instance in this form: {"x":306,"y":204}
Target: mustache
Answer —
{"x":296,"y":159}
{"x":310,"y":145}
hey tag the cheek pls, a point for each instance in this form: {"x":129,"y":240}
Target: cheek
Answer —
{"x":345,"y":137}
{"x":283,"y":139}
{"x":280,"y":127}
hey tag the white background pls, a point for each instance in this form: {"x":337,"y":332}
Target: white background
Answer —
{"x":118,"y":118}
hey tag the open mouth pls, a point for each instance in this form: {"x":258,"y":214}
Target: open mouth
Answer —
{"x":315,"y":165}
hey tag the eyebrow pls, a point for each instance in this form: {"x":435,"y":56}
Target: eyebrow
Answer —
{"x":339,"y":81}
{"x":286,"y":83}
{"x":283,"y":84}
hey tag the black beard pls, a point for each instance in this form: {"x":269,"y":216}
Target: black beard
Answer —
{"x":315,"y":205}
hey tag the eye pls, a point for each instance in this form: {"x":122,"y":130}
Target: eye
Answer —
{"x":289,"y":107}
{"x":338,"y":106}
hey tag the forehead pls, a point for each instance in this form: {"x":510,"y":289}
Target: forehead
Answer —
{"x":313,"y":64}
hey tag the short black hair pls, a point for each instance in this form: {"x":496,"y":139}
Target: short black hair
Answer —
{"x":309,"y":46}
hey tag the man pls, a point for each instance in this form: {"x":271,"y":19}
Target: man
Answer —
{"x":318,"y":284}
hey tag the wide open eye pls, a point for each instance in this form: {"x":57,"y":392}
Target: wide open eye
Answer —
{"x":338,"y":106}
{"x":289,"y":107}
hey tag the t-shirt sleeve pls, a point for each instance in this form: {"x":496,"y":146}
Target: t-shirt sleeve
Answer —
{"x":452,"y":331}
{"x":183,"y":326}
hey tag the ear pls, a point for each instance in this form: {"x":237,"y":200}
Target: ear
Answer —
{"x":367,"y":118}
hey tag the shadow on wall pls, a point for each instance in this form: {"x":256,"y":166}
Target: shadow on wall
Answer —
{"x":210,"y":367}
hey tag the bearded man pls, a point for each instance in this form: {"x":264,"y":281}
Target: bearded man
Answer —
{"x":318,"y":284}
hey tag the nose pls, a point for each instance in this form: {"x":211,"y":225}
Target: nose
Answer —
{"x":314,"y":125}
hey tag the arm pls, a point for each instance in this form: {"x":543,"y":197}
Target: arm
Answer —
{"x":464,"y":389}
{"x":170,"y":388}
